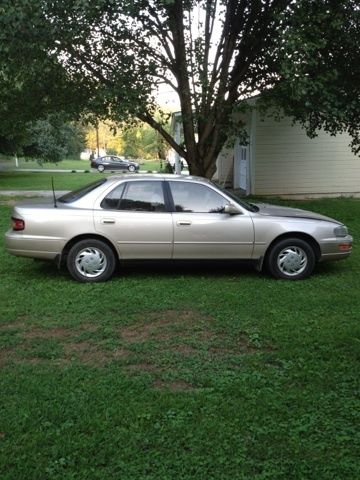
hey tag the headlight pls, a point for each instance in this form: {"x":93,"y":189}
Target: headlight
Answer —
{"x":340,"y":231}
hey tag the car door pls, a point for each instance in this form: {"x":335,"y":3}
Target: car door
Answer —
{"x":202,"y":230}
{"x":134,"y":217}
{"x":106,"y":161}
{"x":117,"y":163}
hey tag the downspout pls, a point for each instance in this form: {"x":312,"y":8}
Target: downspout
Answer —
{"x":252,"y":152}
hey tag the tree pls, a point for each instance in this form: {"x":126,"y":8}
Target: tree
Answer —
{"x":213,"y":53}
{"x":105,"y":135}
{"x":47,"y":140}
{"x":142,"y":141}
{"x":319,"y":69}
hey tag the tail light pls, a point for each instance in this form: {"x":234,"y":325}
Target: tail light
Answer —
{"x":17,"y":224}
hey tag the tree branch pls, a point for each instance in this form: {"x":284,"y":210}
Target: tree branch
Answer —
{"x":147,"y":118}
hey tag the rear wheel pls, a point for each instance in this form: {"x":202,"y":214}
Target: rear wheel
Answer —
{"x":291,"y":259}
{"x":101,"y":168}
{"x":91,"y":260}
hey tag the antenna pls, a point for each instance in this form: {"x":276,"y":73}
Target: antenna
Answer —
{"x":53,"y":190}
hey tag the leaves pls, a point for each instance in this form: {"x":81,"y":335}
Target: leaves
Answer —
{"x":107,"y":58}
{"x":319,"y":72}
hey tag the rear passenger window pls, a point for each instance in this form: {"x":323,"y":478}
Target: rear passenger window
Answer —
{"x":112,"y":200}
{"x":139,"y":196}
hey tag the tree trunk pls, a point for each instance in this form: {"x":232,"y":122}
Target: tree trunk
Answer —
{"x":200,"y":169}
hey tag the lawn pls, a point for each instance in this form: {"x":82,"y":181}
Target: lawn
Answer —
{"x":42,"y":180}
{"x":181,"y":373}
{"x":68,"y":164}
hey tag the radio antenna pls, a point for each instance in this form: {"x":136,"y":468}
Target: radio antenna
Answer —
{"x":53,"y":191}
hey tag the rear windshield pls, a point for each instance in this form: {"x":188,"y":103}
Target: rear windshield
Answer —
{"x":77,"y":194}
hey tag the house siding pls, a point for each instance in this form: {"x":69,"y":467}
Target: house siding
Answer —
{"x":287,"y":162}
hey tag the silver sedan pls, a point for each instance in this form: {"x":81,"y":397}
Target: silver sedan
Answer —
{"x":169,"y":217}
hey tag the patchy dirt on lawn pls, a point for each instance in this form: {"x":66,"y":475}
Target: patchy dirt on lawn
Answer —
{"x":163,"y":342}
{"x":168,"y":324}
{"x":87,"y":353}
{"x":57,"y":333}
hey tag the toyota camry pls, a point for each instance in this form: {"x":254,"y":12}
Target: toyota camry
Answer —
{"x":169,"y":217}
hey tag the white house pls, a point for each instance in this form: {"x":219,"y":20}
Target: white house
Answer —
{"x":282,"y":160}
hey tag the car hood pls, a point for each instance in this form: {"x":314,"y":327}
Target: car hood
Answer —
{"x":279,"y":211}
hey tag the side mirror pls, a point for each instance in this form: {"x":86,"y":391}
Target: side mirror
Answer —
{"x":232,"y":209}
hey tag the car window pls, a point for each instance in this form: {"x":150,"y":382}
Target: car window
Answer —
{"x":77,"y":194}
{"x":196,"y":198}
{"x":112,"y":200}
{"x":141,"y":196}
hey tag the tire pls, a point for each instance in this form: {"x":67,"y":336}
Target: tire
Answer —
{"x":131,"y":168}
{"x":101,"y":168}
{"x":91,"y":260}
{"x":291,"y":259}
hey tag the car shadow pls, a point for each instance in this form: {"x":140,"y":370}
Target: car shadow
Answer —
{"x":184,"y":268}
{"x":210,"y":268}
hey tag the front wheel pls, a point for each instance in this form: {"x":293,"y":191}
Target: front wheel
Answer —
{"x":291,"y":259}
{"x":131,"y":168}
{"x":101,"y":168}
{"x":91,"y":260}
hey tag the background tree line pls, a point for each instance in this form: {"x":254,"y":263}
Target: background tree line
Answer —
{"x":107,"y":58}
{"x":53,"y":139}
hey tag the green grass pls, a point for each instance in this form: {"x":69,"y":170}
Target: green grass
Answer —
{"x":181,"y":373}
{"x":69,"y":164}
{"x":42,"y":180}
{"x":64,"y":164}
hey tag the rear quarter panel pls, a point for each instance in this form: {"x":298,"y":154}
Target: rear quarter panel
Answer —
{"x":47,"y":230}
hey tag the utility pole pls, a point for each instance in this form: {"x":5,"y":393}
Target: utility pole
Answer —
{"x":177,"y":156}
{"x":97,"y":140}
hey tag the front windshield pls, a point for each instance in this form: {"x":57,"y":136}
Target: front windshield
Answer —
{"x":248,"y":206}
{"x":77,"y":194}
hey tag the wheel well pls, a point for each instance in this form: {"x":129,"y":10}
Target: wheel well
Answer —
{"x":302,"y":236}
{"x":74,"y":240}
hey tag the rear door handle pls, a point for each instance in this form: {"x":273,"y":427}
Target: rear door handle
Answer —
{"x":107,"y":221}
{"x":183,"y":223}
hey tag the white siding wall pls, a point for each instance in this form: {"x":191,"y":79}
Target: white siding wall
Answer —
{"x":287,"y":162}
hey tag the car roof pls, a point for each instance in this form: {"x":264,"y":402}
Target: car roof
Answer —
{"x":158,"y":176}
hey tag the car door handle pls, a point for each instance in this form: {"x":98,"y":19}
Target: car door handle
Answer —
{"x":183,"y":223}
{"x":107,"y":221}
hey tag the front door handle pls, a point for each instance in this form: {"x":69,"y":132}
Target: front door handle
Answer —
{"x":107,"y":221}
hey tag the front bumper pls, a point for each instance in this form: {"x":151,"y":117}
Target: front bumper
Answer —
{"x":336,"y":249}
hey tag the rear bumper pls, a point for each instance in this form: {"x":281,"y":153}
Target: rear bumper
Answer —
{"x":46,"y":248}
